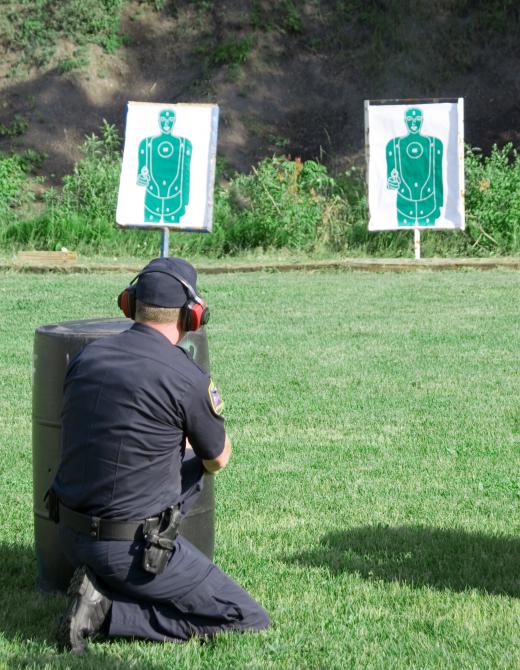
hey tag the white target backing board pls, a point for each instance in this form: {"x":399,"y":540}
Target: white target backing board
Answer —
{"x":168,"y":171}
{"x":415,"y":157}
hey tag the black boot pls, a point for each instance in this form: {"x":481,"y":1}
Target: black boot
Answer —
{"x":86,"y":611}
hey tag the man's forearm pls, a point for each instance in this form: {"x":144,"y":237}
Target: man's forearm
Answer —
{"x":214,"y":465}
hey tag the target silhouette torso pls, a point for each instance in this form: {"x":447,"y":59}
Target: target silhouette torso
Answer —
{"x":164,"y":168}
{"x":414,"y":170}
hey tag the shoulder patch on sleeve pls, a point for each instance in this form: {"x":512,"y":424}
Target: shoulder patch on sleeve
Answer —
{"x":216,"y":402}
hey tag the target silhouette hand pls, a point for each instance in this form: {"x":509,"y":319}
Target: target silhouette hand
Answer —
{"x":143,"y":177}
{"x":394,"y":180}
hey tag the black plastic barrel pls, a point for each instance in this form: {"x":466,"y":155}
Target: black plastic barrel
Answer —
{"x":54,"y":347}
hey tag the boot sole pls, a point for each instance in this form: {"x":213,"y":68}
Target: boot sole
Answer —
{"x":77,"y":587}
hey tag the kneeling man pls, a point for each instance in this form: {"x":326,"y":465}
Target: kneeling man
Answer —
{"x":133,"y":403}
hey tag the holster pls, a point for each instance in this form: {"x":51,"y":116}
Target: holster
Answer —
{"x":160,"y":540}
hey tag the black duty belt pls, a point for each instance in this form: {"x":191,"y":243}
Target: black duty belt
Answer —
{"x":104,"y":529}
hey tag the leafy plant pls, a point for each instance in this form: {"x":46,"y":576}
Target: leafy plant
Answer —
{"x":282,"y":203}
{"x":33,"y":29}
{"x":232,"y":52}
{"x":293,"y":21}
{"x":78,"y":59}
{"x":17,"y":127}
{"x":15,"y":185}
{"x":493,"y":198}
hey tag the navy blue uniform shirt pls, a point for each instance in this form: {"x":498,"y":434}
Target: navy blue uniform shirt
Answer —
{"x":129,"y":402}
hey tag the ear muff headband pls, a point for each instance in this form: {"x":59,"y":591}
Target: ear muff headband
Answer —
{"x":194,"y":313}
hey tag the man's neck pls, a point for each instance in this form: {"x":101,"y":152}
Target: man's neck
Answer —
{"x":171,"y":331}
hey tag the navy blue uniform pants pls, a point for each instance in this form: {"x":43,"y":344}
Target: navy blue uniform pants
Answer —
{"x":192,"y":597}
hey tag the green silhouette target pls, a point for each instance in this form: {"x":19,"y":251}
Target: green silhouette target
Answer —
{"x":415,"y":164}
{"x":168,"y":171}
{"x":414,"y":170}
{"x":164,"y":169}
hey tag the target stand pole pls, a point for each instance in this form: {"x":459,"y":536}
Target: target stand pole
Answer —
{"x":165,"y":242}
{"x":417,"y":243}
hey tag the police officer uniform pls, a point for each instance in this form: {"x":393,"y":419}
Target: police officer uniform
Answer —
{"x":130,"y":401}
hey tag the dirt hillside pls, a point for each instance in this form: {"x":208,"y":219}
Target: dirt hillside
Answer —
{"x":290,"y":77}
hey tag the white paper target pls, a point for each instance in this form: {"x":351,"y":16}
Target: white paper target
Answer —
{"x":168,"y":170}
{"x":415,"y":155}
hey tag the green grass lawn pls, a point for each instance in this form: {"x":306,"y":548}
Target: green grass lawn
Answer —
{"x":371,"y":504}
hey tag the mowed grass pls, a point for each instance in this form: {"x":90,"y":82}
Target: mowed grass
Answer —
{"x":371,"y":504}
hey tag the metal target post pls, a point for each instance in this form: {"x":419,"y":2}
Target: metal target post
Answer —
{"x":417,"y":243}
{"x":165,"y":242}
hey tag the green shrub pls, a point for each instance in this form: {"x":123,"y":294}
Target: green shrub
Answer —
{"x":293,"y":21}
{"x":81,"y":214}
{"x":15,"y":186}
{"x":493,"y":199}
{"x":232,"y":52}
{"x":33,"y":29}
{"x":17,"y":127}
{"x":282,"y":203}
{"x":92,"y":187}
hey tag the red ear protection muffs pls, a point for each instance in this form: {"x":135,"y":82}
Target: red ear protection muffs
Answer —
{"x":194,"y":314}
{"x":126,"y":301}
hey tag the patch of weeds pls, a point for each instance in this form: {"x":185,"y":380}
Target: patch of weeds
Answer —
{"x":232,"y":52}
{"x":158,"y":5}
{"x":279,"y":142}
{"x":282,"y":203}
{"x":233,"y":72}
{"x":138,"y":15}
{"x":17,"y":127}
{"x":287,"y":13}
{"x":32,"y":30}
{"x":223,"y":169}
{"x":260,"y":18}
{"x":493,"y":198}
{"x":92,"y":187}
{"x":32,"y":160}
{"x":15,"y":183}
{"x":293,"y":21}
{"x":77,"y":60}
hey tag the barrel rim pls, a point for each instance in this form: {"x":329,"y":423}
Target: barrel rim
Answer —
{"x":63,"y":328}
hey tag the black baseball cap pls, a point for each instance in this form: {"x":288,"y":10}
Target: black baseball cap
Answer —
{"x":156,"y":286}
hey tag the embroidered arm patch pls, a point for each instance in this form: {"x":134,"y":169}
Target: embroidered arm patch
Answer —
{"x":217,"y":404}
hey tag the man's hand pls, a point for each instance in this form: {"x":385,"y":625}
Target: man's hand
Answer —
{"x":216,"y":464}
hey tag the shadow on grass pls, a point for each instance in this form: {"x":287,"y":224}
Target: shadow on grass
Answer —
{"x":422,"y":556}
{"x":28,"y":620}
